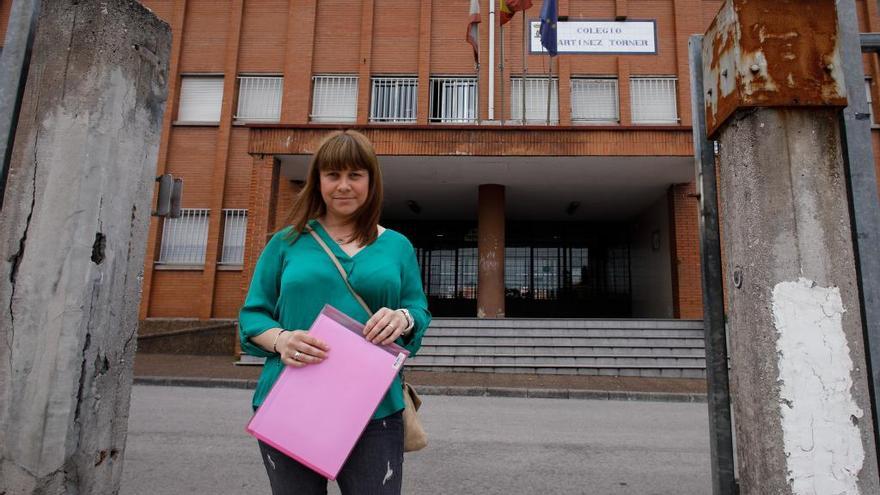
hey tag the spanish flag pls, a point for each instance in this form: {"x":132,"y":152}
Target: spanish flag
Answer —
{"x":510,"y":7}
{"x":473,"y":31}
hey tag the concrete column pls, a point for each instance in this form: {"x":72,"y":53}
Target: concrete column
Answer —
{"x":490,"y":245}
{"x":798,"y":376}
{"x":72,"y":239}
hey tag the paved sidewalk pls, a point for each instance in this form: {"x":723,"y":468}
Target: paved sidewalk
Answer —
{"x":221,"y":371}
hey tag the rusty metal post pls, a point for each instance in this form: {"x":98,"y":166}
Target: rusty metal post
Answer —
{"x":721,"y":444}
{"x":774,"y":91}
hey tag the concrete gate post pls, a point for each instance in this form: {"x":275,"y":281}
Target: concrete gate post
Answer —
{"x":72,"y":238}
{"x":774,"y":90}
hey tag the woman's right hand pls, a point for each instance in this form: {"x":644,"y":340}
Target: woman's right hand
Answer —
{"x":297,"y":348}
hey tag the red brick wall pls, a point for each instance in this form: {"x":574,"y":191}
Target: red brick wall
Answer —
{"x":191,"y":157}
{"x":687,"y":284}
{"x":263,"y":37}
{"x":228,"y":297}
{"x":204,"y":36}
{"x":175,"y":293}
{"x":238,"y":174}
{"x":5,"y":7}
{"x":337,"y":37}
{"x":396,"y":43}
{"x":450,"y":53}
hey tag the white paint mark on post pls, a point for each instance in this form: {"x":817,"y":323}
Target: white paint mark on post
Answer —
{"x":823,"y":445}
{"x":388,"y":474}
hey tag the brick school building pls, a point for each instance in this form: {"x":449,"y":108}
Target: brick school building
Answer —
{"x":587,"y":210}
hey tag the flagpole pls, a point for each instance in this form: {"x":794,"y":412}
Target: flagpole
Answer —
{"x":549,"y":87}
{"x":526,"y":36}
{"x":501,"y":66}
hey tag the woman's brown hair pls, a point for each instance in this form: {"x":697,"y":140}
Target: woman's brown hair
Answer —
{"x":342,"y":150}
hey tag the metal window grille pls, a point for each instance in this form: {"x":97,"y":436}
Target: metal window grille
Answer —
{"x":467,"y":273}
{"x":546,"y":272}
{"x":234,"y":229}
{"x":653,"y":100}
{"x":578,"y":263}
{"x":536,"y":100}
{"x":517,"y":271}
{"x":334,"y":98}
{"x":870,"y":99}
{"x":453,"y":99}
{"x":393,"y":99}
{"x":184,"y":239}
{"x":594,"y":100}
{"x":259,"y":98}
{"x":441,"y":281}
{"x":200,"y":99}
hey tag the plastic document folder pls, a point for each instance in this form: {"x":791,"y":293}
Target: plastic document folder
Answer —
{"x":316,"y":413}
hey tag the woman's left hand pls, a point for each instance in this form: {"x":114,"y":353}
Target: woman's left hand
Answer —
{"x":385,"y":326}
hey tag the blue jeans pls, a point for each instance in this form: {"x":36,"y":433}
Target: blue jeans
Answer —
{"x":375,"y":466}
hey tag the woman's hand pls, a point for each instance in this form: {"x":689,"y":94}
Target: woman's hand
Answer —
{"x":297,"y":348}
{"x":385,"y":326}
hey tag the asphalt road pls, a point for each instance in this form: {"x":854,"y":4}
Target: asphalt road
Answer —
{"x":192,"y":441}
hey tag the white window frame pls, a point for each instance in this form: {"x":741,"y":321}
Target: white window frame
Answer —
{"x":536,"y":100}
{"x":201,"y":98}
{"x":581,"y":99}
{"x":234,"y":236}
{"x":185,"y":239}
{"x":394,"y":99}
{"x":259,"y":98}
{"x":640,"y":113}
{"x":453,"y":99}
{"x":870,"y":98}
{"x":334,"y":98}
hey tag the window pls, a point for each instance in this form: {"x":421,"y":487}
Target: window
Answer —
{"x":234,"y":228}
{"x":393,"y":99}
{"x":594,"y":100}
{"x":184,"y":239}
{"x":259,"y":98}
{"x":334,"y":98}
{"x":453,"y":99}
{"x":653,"y":100}
{"x":200,"y":99}
{"x":536,"y":100}
{"x":870,"y":99}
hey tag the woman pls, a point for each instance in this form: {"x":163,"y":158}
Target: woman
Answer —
{"x":294,"y":278}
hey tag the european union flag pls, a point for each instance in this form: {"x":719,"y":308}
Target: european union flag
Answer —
{"x":549,"y":18}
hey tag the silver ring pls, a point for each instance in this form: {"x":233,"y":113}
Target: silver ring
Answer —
{"x":296,"y":356}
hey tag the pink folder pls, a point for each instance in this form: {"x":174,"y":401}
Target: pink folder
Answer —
{"x":316,"y":413}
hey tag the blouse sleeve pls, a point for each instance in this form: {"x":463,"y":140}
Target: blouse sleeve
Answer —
{"x":258,"y":312}
{"x":413,"y":298}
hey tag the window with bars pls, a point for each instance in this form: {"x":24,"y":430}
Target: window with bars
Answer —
{"x":467,"y":273}
{"x":594,"y":100}
{"x":393,"y":99}
{"x":184,"y":239}
{"x":259,"y":98}
{"x":334,"y":98}
{"x":536,"y":100}
{"x":453,"y":99}
{"x":200,"y":99}
{"x":441,"y":269}
{"x":653,"y":100}
{"x":234,"y":229}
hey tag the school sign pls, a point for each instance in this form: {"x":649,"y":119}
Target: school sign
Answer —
{"x":608,"y":37}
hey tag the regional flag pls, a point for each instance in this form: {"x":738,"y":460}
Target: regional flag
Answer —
{"x":473,"y":30}
{"x":549,"y":19}
{"x":509,"y":7}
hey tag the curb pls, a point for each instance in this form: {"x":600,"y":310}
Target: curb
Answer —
{"x":534,"y":393}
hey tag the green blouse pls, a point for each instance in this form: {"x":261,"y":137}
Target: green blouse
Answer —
{"x":293,"y":280}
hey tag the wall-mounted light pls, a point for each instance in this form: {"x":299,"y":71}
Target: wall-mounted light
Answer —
{"x":570,"y":209}
{"x":413,"y":206}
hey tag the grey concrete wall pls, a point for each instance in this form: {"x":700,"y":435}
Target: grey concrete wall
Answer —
{"x":72,"y":240}
{"x":798,"y":379}
{"x":651,"y":269}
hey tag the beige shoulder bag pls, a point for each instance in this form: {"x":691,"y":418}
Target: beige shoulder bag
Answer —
{"x":414,"y":436}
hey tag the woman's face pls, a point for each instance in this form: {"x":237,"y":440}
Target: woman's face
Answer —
{"x":344,"y":191}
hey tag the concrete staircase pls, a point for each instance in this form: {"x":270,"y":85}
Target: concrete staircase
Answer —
{"x":650,"y":348}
